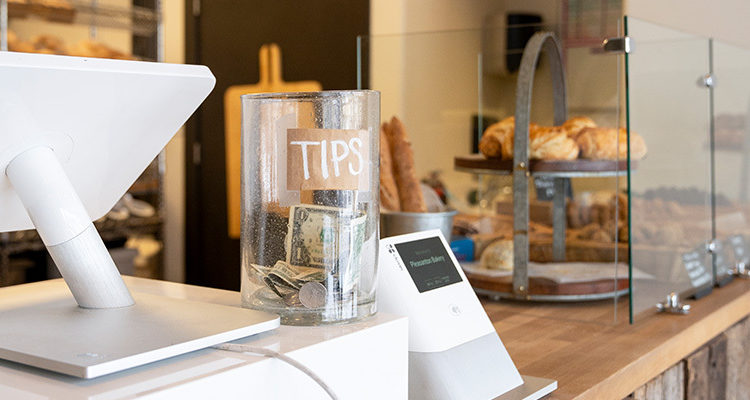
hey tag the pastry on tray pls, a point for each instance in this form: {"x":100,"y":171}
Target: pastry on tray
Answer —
{"x":551,"y":143}
{"x":578,"y":137}
{"x":610,"y":144}
{"x":497,"y":140}
{"x":575,"y":125}
{"x":545,"y":143}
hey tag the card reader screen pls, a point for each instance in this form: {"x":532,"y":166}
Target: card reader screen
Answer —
{"x":428,"y":263}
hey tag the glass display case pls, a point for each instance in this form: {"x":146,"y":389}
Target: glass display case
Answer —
{"x":688,"y":97}
{"x":661,"y":208}
{"x":452,"y":89}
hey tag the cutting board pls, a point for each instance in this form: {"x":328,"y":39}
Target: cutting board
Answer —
{"x":270,"y":82}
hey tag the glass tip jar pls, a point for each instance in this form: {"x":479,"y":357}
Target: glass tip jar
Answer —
{"x":309,"y":204}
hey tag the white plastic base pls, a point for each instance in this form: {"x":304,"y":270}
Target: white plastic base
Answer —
{"x":474,"y":370}
{"x":42,"y":327}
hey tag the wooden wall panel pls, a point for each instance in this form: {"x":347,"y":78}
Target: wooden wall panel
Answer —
{"x":718,"y":370}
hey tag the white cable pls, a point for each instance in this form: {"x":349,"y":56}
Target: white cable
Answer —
{"x":244,"y":348}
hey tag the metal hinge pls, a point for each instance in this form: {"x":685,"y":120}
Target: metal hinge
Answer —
{"x":711,"y":246}
{"x":741,"y":270}
{"x":621,"y":44}
{"x":707,"y":80}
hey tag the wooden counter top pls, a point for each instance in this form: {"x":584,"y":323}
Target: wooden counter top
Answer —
{"x":594,"y":357}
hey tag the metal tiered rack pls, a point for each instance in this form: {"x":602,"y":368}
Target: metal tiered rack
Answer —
{"x":521,"y":286}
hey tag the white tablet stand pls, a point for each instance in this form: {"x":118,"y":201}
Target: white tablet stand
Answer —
{"x":66,"y":229}
{"x":75,"y":133}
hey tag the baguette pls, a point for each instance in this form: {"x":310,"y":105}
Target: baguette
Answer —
{"x":409,"y":191}
{"x":388,"y":190}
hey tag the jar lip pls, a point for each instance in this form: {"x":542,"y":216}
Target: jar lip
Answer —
{"x":448,"y":212}
{"x":281,"y":96}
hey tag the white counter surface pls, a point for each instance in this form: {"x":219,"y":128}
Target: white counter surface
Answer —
{"x":363,"y":360}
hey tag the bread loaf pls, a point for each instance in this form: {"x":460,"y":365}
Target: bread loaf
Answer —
{"x":498,"y":255}
{"x":409,"y":191}
{"x":388,"y":190}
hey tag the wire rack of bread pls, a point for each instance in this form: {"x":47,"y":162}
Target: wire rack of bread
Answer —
{"x":577,"y":254}
{"x":51,"y":44}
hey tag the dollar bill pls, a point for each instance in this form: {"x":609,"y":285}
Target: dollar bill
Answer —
{"x":327,"y":238}
{"x":285,"y":279}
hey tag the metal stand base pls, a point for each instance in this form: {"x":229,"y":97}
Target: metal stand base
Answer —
{"x":533,"y":388}
{"x":42,"y":326}
{"x":741,"y":270}
{"x":673,"y":305}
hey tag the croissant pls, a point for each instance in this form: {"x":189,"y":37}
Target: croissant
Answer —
{"x":551,"y":143}
{"x":575,"y":125}
{"x":491,"y":143}
{"x":497,"y":140}
{"x":610,"y":144}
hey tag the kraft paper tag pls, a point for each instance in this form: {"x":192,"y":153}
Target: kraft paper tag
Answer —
{"x":327,"y":159}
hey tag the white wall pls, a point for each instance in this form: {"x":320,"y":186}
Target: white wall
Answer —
{"x":424,"y":57}
{"x":726,"y":20}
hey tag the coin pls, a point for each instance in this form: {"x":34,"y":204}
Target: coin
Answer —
{"x":312,"y":295}
{"x":292,"y":299}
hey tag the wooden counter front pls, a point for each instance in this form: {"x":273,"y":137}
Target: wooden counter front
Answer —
{"x":593,"y":357}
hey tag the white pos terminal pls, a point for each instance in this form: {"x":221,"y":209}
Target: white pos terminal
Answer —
{"x":75,"y":133}
{"x":454,"y":350}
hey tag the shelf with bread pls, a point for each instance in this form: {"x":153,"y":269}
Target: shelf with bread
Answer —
{"x":578,"y":252}
{"x":140,"y":20}
{"x":577,"y":148}
{"x":54,"y":44}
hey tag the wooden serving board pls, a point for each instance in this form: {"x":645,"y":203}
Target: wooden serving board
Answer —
{"x":545,"y":286}
{"x":480,"y":162}
{"x":270,"y":82}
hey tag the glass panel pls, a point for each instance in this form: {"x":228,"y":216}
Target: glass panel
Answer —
{"x":448,"y":88}
{"x":732,"y":155}
{"x":670,"y":213}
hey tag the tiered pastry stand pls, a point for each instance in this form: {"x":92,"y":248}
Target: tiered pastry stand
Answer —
{"x":522,"y":286}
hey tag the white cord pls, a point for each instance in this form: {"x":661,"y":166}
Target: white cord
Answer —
{"x":244,"y":348}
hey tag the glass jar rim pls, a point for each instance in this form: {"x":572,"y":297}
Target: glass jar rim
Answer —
{"x":280,"y":96}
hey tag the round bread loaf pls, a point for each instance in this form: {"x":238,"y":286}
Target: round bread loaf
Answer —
{"x":498,"y":255}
